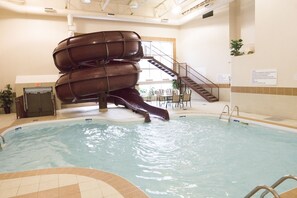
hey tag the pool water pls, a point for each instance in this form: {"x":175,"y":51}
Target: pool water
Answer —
{"x":186,"y":157}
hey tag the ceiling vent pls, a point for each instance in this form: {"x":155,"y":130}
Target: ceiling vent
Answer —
{"x":164,"y":20}
{"x":50,"y":10}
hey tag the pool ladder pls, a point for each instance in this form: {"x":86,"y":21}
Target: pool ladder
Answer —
{"x":270,"y":189}
{"x":3,"y":140}
{"x":235,"y":108}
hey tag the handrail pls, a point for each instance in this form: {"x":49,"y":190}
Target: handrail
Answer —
{"x":173,"y":61}
{"x":257,"y":188}
{"x":3,"y":140}
{"x":278,"y":182}
{"x":161,"y":53}
{"x":189,"y":71}
{"x":235,"y":107}
{"x":223,"y":111}
{"x":197,"y":73}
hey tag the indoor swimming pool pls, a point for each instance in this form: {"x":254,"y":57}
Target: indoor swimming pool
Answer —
{"x":186,"y":157}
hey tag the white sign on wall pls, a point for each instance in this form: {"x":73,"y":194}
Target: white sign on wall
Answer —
{"x":264,"y":77}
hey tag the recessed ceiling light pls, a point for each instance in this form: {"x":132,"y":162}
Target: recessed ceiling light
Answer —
{"x":176,"y":10}
{"x":86,"y":1}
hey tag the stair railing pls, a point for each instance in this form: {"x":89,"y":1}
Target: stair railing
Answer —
{"x":182,"y":69}
{"x":187,"y":71}
{"x":168,"y":61}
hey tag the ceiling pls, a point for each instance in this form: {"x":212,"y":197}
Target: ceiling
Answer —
{"x":167,"y":12}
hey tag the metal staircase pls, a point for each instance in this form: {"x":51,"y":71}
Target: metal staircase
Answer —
{"x":161,"y":66}
{"x":199,"y":89}
{"x":185,"y":74}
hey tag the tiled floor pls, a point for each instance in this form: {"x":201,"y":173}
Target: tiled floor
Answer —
{"x":87,"y":183}
{"x":66,"y":183}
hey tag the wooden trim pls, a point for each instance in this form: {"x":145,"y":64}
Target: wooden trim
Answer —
{"x":223,"y":85}
{"x":284,"y":91}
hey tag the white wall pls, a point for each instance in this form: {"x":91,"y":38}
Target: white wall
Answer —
{"x":275,"y":48}
{"x":152,"y":30}
{"x":27,"y":41}
{"x":247,"y":23}
{"x":276,"y":40}
{"x":242,"y":22}
{"x":204,"y":44}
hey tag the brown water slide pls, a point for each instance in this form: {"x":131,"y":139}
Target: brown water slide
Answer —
{"x":102,"y":67}
{"x":131,"y":97}
{"x":83,"y":84}
{"x":87,"y":50}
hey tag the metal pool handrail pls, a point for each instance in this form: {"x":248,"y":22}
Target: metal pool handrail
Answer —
{"x":237,"y":110}
{"x":278,"y":182}
{"x":228,"y":108}
{"x":268,"y":189}
{"x":3,"y":140}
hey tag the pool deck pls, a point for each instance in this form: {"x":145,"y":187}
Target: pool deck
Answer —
{"x":88,"y":183}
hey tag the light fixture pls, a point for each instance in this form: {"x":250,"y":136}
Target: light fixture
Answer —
{"x":133,"y":4}
{"x":86,"y":1}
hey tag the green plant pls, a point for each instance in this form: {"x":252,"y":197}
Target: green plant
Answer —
{"x":175,"y":84}
{"x":6,"y":97}
{"x":235,"y":46}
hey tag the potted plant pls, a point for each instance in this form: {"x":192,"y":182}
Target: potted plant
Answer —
{"x":175,"y":84}
{"x":6,"y":98}
{"x":235,"y":46}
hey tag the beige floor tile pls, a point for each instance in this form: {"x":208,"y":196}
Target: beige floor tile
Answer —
{"x":10,"y":183}
{"x":30,"y":180}
{"x":30,"y":195}
{"x":52,"y":193}
{"x":82,"y":179}
{"x":114,"y":196}
{"x":108,"y":190}
{"x":28,"y":189}
{"x":48,"y":185}
{"x":85,"y":186}
{"x":73,"y":195}
{"x":72,"y":189}
{"x":94,"y":193}
{"x":8,"y":192}
{"x":67,"y":179}
{"x":47,"y":178}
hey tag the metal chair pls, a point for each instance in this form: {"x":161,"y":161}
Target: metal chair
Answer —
{"x":187,"y":98}
{"x":175,"y":99}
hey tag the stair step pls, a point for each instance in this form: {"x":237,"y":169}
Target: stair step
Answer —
{"x":186,"y":80}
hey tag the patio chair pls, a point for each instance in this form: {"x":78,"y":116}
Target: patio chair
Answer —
{"x":187,"y":98}
{"x":175,"y":99}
